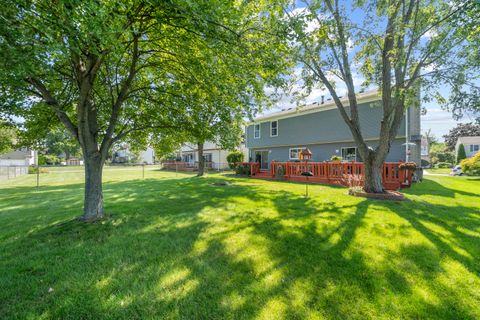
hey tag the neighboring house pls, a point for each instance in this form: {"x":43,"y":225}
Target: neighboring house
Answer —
{"x":22,"y":157}
{"x":122,"y":154}
{"x":74,"y":162}
{"x":424,"y":149}
{"x":147,"y":156}
{"x":471,"y":145}
{"x":213,"y":154}
{"x":319,"y":126}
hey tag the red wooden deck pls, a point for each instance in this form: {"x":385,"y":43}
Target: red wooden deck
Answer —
{"x":339,"y":173}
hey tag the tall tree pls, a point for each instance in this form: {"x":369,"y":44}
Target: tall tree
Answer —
{"x":7,"y":137}
{"x":395,"y":45}
{"x":58,"y":142}
{"x":461,"y":153}
{"x":461,"y":130}
{"x":89,"y":65}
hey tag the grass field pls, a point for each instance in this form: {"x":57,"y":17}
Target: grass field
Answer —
{"x":176,"y":246}
{"x":439,"y":170}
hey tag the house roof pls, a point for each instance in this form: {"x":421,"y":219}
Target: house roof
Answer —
{"x":16,"y":154}
{"x":368,"y":96}
{"x":468,"y":140}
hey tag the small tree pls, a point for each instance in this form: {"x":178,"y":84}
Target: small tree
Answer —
{"x":233,"y":158}
{"x":461,"y":154}
{"x":61,"y":144}
{"x":439,"y":153}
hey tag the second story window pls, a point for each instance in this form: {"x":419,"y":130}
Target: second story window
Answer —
{"x":274,"y":128}
{"x":256,"y":131}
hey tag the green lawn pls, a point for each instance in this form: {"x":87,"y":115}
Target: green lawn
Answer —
{"x":177,"y":246}
{"x":439,"y":170}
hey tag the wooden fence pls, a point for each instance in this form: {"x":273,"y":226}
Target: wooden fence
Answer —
{"x":333,"y":172}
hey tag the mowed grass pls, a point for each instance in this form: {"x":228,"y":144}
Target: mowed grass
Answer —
{"x":439,"y":170}
{"x":179,"y":247}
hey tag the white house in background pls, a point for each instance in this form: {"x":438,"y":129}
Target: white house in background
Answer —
{"x":424,"y":149}
{"x":122,"y":154}
{"x":471,"y":145}
{"x":212,"y":153}
{"x":22,"y":157}
{"x":147,"y":156}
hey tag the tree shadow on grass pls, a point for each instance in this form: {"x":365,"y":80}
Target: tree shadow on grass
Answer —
{"x":432,"y":187}
{"x":183,"y":248}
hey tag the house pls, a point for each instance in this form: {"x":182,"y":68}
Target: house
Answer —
{"x":471,"y":145}
{"x":122,"y":154}
{"x":22,"y":157}
{"x":319,"y":126}
{"x":74,"y":162}
{"x":424,"y":149}
{"x":214,"y":155}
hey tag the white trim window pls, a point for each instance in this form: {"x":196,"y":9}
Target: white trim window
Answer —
{"x":256,"y":131}
{"x":474,"y":147}
{"x":349,"y":153}
{"x":274,"y":128}
{"x":294,"y":153}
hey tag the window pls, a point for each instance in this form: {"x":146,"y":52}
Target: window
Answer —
{"x":294,"y":153}
{"x":273,"y":128}
{"x":349,"y":154}
{"x":256,"y":131}
{"x":474,"y":147}
{"x":207,"y":157}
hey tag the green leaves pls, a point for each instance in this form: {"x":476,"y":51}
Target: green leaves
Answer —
{"x":190,"y":54}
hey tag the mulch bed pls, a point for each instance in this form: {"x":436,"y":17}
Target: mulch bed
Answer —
{"x":388,"y":195}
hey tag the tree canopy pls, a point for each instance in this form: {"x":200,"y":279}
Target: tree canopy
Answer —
{"x":109,"y":70}
{"x":395,"y":46}
{"x":7,"y":138}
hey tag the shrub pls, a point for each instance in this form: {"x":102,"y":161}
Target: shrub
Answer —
{"x":471,"y":166}
{"x":48,"y":159}
{"x":233,"y":158}
{"x":33,"y":170}
{"x":242,"y":169}
{"x":336,"y":158}
{"x":439,"y":153}
{"x":444,"y":165}
{"x":461,"y":154}
{"x":425,"y":163}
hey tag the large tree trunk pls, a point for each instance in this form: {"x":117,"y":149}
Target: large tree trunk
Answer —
{"x":93,"y":202}
{"x":201,"y":160}
{"x":373,"y":174}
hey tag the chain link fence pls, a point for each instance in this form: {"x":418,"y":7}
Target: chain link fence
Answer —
{"x":11,"y":172}
{"x":43,"y":173}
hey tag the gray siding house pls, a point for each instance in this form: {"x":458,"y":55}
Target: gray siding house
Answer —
{"x":282,"y":135}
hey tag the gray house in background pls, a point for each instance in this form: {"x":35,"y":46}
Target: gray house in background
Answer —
{"x":282,"y":135}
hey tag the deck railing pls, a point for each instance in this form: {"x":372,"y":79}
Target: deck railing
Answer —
{"x":332,"y":172}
